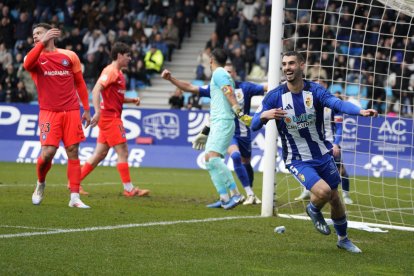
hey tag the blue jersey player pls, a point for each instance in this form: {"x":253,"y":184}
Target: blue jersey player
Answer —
{"x":298,"y":109}
{"x":240,"y":149}
{"x":333,"y":133}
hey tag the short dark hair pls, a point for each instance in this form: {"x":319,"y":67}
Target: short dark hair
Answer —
{"x":42,"y":25}
{"x":298,"y":55}
{"x":119,"y":48}
{"x":220,"y":56}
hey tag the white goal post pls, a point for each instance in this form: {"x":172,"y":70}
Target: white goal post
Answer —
{"x":363,"y":49}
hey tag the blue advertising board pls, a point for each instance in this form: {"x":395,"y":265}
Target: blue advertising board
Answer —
{"x":379,"y":147}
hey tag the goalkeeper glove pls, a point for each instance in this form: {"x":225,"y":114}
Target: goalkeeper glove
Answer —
{"x":246,"y":119}
{"x":199,"y":143}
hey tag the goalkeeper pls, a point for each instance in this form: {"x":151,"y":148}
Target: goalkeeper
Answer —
{"x":223,"y":108}
{"x":240,"y":149}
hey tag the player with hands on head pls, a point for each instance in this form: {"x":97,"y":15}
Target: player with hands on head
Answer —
{"x":111,"y":86}
{"x":297,"y":109}
{"x":58,"y":77}
{"x":240,"y":147}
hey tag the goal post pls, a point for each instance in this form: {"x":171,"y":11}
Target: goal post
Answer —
{"x":363,"y":49}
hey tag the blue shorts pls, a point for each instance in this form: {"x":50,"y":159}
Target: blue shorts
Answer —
{"x":311,"y":171}
{"x":244,"y":144}
{"x":219,"y":138}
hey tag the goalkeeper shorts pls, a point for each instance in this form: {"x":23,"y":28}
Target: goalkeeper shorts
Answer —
{"x":219,"y":138}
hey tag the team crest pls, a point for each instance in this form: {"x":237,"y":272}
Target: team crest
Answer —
{"x":65,"y":62}
{"x":309,"y":101}
{"x":301,"y":177}
{"x":44,"y":136}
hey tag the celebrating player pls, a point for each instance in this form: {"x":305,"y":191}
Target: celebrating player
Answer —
{"x":58,"y":78}
{"x":240,"y":149}
{"x":298,"y":109}
{"x":333,"y":133}
{"x":111,"y":85}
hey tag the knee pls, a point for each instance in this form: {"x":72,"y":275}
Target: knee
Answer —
{"x":237,"y":160}
{"x":323,"y":193}
{"x":72,"y":151}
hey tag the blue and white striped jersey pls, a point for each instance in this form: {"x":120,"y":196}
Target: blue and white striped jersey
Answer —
{"x":244,"y":93}
{"x":302,"y":130}
{"x":333,"y":126}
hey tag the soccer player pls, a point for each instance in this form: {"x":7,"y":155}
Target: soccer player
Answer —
{"x":333,"y":133}
{"x":59,"y":81}
{"x":111,"y":85}
{"x":240,"y":149}
{"x":223,"y":108}
{"x":298,"y":108}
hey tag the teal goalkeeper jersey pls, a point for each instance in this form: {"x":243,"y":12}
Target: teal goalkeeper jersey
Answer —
{"x":220,"y":108}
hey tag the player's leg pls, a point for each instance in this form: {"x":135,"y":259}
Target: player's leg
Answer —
{"x":124,"y":173}
{"x":307,"y":175}
{"x":340,"y":223}
{"x":239,"y":169}
{"x":345,"y":184}
{"x":221,"y":133}
{"x":44,"y":163}
{"x":72,"y":135}
{"x":50,"y":136}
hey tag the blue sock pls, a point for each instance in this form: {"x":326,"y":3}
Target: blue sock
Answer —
{"x":250,"y":172}
{"x":340,"y":226}
{"x":213,"y":168}
{"x":314,"y":208}
{"x":240,"y":169}
{"x":345,"y":182}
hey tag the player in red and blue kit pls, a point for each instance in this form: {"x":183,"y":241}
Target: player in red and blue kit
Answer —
{"x":298,"y":107}
{"x":240,"y":149}
{"x":59,"y":81}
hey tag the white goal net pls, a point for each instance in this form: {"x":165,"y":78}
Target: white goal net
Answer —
{"x":363,"y":50}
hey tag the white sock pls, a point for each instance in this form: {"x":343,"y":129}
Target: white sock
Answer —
{"x":345,"y":193}
{"x":249,"y":191}
{"x":74,"y":196}
{"x":128,"y":187}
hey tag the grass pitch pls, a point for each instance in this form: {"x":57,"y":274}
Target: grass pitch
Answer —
{"x":170,"y":232}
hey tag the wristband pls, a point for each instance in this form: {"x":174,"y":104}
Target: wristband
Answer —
{"x":206,"y":130}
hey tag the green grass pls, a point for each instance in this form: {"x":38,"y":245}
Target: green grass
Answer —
{"x":244,"y":246}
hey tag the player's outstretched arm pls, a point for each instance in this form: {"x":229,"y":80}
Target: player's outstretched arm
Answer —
{"x":183,"y":85}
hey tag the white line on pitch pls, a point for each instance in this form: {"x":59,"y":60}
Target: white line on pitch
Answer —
{"x":28,"y":227}
{"x":122,"y":226}
{"x":59,"y":185}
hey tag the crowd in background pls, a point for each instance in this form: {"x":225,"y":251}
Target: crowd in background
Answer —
{"x":348,"y":45}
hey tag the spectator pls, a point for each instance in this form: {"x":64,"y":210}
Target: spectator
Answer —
{"x":137,"y":73}
{"x":177,"y":99}
{"x":239,"y":63}
{"x":214,"y":42}
{"x":20,"y":94}
{"x":249,"y":53}
{"x":203,"y":71}
{"x":7,"y":32}
{"x":92,"y":39}
{"x":170,"y":37}
{"x":263,"y":39}
{"x":154,"y":60}
{"x":155,"y":12}
{"x":6,"y":58}
{"x":179,"y":21}
{"x":136,"y":31}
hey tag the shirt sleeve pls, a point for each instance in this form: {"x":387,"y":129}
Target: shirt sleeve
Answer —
{"x":204,"y":91}
{"x":329,"y":100}
{"x":107,"y":77}
{"x":257,"y":123}
{"x":30,"y":60}
{"x":338,"y":119}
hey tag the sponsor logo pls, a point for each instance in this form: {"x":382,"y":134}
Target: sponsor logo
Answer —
{"x":379,"y":165}
{"x":162,"y":125}
{"x":196,"y":122}
{"x":57,"y":73}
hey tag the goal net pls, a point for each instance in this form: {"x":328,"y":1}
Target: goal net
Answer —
{"x":363,"y":50}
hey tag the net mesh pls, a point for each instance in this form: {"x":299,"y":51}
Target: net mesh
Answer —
{"x":363,"y":50}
